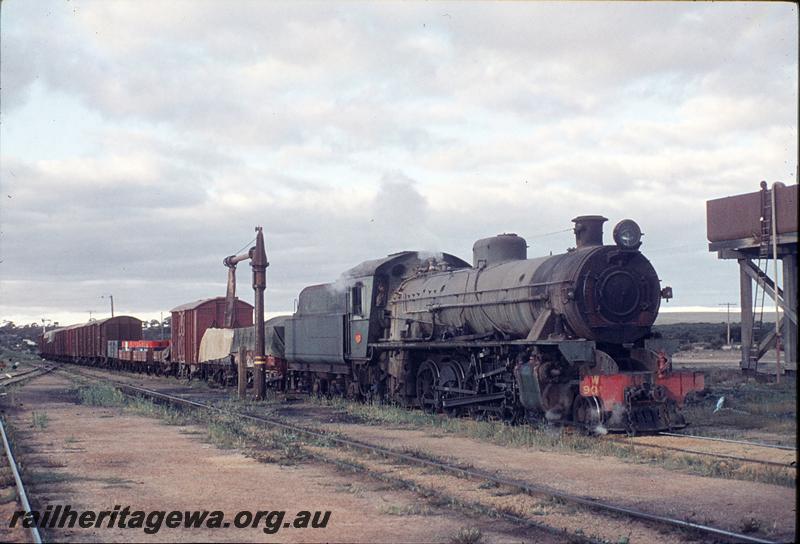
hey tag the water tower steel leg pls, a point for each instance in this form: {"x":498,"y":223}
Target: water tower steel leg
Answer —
{"x":241,"y":373}
{"x":790,"y":296}
{"x":746,"y":303}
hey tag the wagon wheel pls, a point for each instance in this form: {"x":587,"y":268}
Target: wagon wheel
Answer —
{"x":451,"y":375}
{"x":427,"y":378}
{"x":586,"y":412}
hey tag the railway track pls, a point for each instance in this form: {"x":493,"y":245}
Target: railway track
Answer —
{"x":443,"y":466}
{"x":635,"y":442}
{"x":632,"y":441}
{"x":7,"y":380}
{"x":22,"y":496}
{"x":744,"y":442}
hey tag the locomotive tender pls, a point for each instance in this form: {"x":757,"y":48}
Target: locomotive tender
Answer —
{"x":567,"y":337}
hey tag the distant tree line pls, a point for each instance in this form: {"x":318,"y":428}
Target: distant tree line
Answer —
{"x":153,"y":330}
{"x":12,"y":335}
{"x":708,"y":335}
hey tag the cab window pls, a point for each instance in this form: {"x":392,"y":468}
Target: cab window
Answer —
{"x":356,"y":299}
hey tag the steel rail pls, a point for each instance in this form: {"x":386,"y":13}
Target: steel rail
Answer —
{"x":7,"y":376}
{"x":498,"y":513}
{"x":697,"y":452}
{"x":745,"y":442}
{"x":531,"y":489}
{"x":23,"y":497}
{"x":27,"y":375}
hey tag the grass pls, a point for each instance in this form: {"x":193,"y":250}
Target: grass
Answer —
{"x":353,"y":488}
{"x":226,"y":428}
{"x":749,"y":525}
{"x":114,"y":481}
{"x":566,"y":441}
{"x":9,"y":496}
{"x":717,"y":468}
{"x":496,"y":432}
{"x":52,"y":477}
{"x":39,"y":420}
{"x":229,"y":432}
{"x":42,"y":477}
{"x":223,"y":430}
{"x":768,"y":408}
{"x":467,"y":535}
{"x":167,"y":414}
{"x":223,"y":436}
{"x":412,"y":509}
{"x":100,"y":395}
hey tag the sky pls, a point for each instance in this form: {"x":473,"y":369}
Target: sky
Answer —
{"x":142,"y":141}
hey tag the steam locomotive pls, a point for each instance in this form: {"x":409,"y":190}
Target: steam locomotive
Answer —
{"x":565,"y":338}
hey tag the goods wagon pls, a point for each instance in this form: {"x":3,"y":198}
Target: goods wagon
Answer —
{"x":219,"y":350}
{"x":190,"y":321}
{"x":88,"y":342}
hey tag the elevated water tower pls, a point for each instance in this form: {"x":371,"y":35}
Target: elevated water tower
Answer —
{"x":758,"y":230}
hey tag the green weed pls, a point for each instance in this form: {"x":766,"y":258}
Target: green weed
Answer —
{"x":467,"y":535}
{"x":100,"y":395}
{"x":39,"y":420}
{"x":412,"y":509}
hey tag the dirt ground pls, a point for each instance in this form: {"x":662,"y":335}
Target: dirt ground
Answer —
{"x":737,"y":450}
{"x":722,"y":358}
{"x":94,"y":458}
{"x":732,"y":504}
{"x":8,"y":503}
{"x":715,"y":501}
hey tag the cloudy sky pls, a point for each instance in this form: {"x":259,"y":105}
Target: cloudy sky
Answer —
{"x":143,"y":141}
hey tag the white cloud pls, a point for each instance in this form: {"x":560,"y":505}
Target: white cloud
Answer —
{"x":351,"y":130}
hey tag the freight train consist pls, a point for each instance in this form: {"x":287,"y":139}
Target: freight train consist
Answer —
{"x":565,"y":338}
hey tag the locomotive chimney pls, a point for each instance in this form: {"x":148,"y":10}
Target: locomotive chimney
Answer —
{"x":589,"y":230}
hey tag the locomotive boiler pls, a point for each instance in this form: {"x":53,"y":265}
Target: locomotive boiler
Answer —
{"x":608,"y":294}
{"x":563,"y":338}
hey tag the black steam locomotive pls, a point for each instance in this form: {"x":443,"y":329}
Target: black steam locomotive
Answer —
{"x":564,"y":338}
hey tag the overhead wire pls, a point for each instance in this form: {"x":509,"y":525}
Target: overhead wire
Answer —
{"x":244,"y":246}
{"x":548,"y":233}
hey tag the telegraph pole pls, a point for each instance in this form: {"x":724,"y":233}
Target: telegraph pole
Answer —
{"x":728,"y":304}
{"x":111,"y":297}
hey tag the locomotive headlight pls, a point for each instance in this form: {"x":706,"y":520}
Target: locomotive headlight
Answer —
{"x":627,"y":234}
